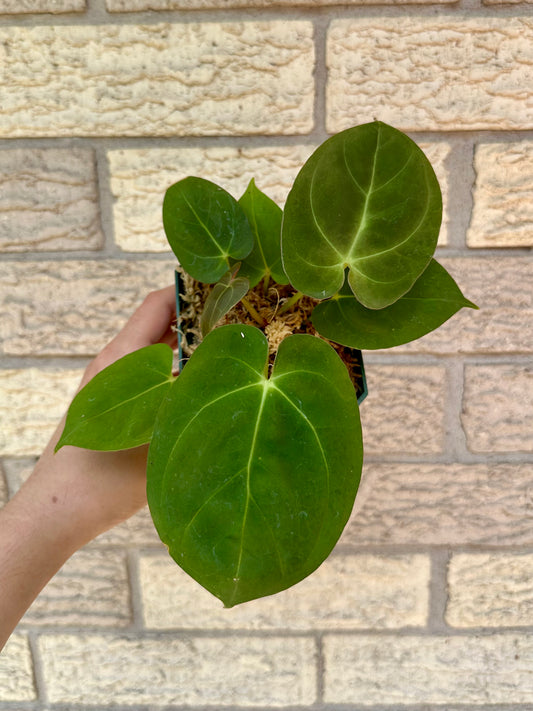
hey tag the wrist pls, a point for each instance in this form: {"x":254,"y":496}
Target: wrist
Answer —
{"x":36,"y":539}
{"x":86,"y":491}
{"x":44,"y":509}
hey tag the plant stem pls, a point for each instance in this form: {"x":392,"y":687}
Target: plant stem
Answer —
{"x":295,"y":298}
{"x":253,"y":313}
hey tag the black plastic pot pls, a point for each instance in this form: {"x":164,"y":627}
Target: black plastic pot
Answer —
{"x":361,"y":386}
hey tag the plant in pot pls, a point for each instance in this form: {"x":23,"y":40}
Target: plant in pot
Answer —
{"x":255,"y":448}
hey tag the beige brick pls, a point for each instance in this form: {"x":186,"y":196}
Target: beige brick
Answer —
{"x":139,"y":179}
{"x":32,"y":403}
{"x":388,"y":670}
{"x":241,"y":671}
{"x":403,"y":413}
{"x":16,"y":671}
{"x":48,"y":200}
{"x":501,"y":287}
{"x":73,"y":307}
{"x":92,"y":589}
{"x":37,"y":6}
{"x":412,"y":72}
{"x":157,"y":80}
{"x":443,"y":504}
{"x":490,"y":590}
{"x":503,"y":196}
{"x":498,"y":408}
{"x":143,"y":5}
{"x":362,"y":591}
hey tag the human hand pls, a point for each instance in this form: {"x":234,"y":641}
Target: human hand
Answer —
{"x":76,"y":494}
{"x":101,"y":489}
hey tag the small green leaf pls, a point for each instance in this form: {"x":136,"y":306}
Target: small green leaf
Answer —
{"x":251,"y":480}
{"x":434,"y":298}
{"x":367,"y":200}
{"x":205,"y":227}
{"x":225,"y":294}
{"x":117,"y":408}
{"x":264,"y":217}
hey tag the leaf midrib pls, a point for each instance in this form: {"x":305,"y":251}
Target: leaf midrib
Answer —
{"x":207,"y":230}
{"x":266,"y":385}
{"x":82,"y":425}
{"x":266,"y":388}
{"x":362,"y":220}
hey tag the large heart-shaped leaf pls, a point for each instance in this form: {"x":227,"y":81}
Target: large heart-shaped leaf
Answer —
{"x":434,"y":298}
{"x":251,"y":479}
{"x":264,"y":217}
{"x":117,"y":408}
{"x":367,"y":200}
{"x":205,"y":227}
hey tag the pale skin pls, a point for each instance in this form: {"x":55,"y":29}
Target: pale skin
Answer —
{"x":76,"y":494}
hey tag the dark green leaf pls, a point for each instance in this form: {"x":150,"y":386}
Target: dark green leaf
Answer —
{"x":117,"y":408}
{"x":433,"y":299}
{"x":251,"y":480}
{"x":205,"y":227}
{"x":264,"y":217}
{"x":225,"y":294}
{"x":368,"y":200}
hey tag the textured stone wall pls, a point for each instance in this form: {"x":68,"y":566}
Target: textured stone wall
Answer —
{"x":427,"y":602}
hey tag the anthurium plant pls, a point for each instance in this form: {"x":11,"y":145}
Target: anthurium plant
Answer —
{"x":255,"y":446}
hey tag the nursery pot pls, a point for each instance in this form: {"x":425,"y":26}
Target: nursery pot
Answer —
{"x":356,"y":356}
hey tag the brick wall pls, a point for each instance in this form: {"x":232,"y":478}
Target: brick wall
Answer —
{"x":428,"y":599}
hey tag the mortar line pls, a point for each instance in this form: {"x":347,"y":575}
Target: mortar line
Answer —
{"x":65,"y":706}
{"x":97,"y":14}
{"x":520,"y":254}
{"x":461,"y":184}
{"x":14,"y":360}
{"x":438,"y":590}
{"x":458,"y":137}
{"x":96,"y":11}
{"x":395,"y":550}
{"x":455,"y":438}
{"x":136,"y":600}
{"x":320,"y":669}
{"x":320,"y":76}
{"x":37,"y":666}
{"x":442,"y":459}
{"x":105,"y":202}
{"x":166,"y":634}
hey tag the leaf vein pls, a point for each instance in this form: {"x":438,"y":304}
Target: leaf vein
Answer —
{"x":200,"y":221}
{"x":404,"y":241}
{"x":362,"y":221}
{"x":313,"y":430}
{"x":315,"y":219}
{"x":189,"y":423}
{"x":248,"y":476}
{"x":352,"y":176}
{"x":206,"y":502}
{"x":85,"y":421}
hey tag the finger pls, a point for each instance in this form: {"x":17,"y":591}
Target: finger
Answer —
{"x":151,"y":322}
{"x":170,"y":338}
